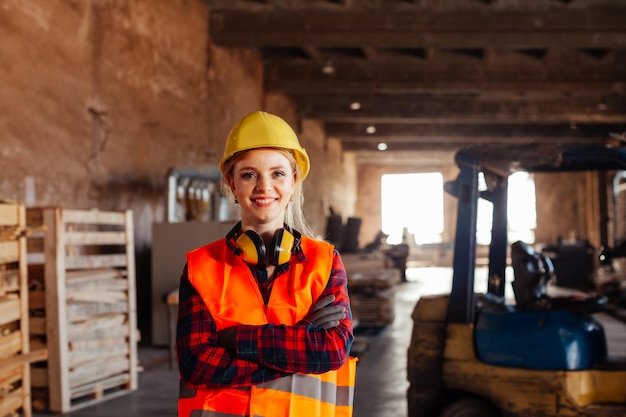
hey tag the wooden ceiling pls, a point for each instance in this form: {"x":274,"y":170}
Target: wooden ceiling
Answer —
{"x":428,"y":75}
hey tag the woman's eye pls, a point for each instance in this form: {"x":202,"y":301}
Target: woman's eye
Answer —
{"x":279,"y":174}
{"x":247,"y":175}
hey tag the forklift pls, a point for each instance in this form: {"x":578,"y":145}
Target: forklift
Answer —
{"x":539,"y":353}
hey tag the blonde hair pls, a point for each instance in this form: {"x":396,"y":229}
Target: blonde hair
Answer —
{"x":294,"y":214}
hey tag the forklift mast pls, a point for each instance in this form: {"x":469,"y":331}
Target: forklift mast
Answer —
{"x":496,"y":165}
{"x":466,"y":189}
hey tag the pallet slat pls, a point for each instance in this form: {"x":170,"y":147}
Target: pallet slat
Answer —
{"x":9,"y":281}
{"x":95,"y":238}
{"x":9,"y":310}
{"x":94,"y":216}
{"x":9,"y":214}
{"x":9,"y":252}
{"x":95,"y":261}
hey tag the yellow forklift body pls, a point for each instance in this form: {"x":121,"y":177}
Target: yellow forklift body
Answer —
{"x":448,"y":349}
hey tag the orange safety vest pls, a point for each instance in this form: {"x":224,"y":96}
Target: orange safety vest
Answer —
{"x":329,"y":394}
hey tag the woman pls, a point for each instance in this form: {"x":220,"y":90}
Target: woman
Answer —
{"x":264,"y":321}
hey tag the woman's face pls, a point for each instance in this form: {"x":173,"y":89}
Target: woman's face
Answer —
{"x":263,"y":182}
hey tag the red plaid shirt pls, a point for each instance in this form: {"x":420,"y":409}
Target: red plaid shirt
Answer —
{"x":265,"y":352}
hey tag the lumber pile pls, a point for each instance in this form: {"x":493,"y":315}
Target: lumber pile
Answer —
{"x":15,"y":355}
{"x":83,"y":306}
{"x":371,"y":285}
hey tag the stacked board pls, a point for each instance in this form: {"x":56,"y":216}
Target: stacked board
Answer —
{"x":15,"y":352}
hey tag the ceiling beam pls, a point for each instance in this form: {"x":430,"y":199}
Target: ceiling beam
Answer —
{"x":470,"y":109}
{"x":446,"y":131}
{"x":590,"y":28}
{"x":558,"y":71}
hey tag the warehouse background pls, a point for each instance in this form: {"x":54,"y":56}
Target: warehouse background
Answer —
{"x":100,"y":99}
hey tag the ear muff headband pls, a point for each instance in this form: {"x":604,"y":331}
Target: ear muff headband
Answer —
{"x":250,"y":246}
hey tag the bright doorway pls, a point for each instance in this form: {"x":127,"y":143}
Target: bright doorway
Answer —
{"x":414,"y":202}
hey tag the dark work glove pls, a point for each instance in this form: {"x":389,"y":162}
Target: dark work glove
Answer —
{"x":325,"y":315}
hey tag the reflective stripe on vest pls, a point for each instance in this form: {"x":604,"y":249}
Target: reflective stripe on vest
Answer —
{"x":224,"y":282}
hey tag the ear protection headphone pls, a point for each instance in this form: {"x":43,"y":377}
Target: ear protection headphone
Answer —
{"x":250,"y":246}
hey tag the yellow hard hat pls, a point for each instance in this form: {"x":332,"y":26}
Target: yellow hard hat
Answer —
{"x":264,"y":130}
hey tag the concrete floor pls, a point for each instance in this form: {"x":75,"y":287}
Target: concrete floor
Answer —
{"x":381,"y":383}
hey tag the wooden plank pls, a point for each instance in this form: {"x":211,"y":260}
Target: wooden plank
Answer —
{"x":98,"y":285}
{"x":9,"y":281}
{"x":9,"y":214}
{"x":11,"y":232}
{"x":132,"y":301}
{"x":24,"y":317}
{"x":107,"y":327}
{"x":100,"y":386}
{"x":9,"y":310}
{"x":83,"y":311}
{"x":121,"y":334}
{"x":85,"y":356}
{"x":96,"y":261}
{"x":12,"y":402}
{"x":93,"y":275}
{"x":56,"y":313}
{"x":9,"y":251}
{"x":95,"y":297}
{"x":36,"y":356}
{"x":10,"y":344}
{"x":93,"y":216}
{"x":10,"y":376}
{"x":95,"y":371}
{"x":95,"y":238}
{"x":37,"y":343}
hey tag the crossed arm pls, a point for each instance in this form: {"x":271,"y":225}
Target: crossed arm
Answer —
{"x":244,"y":355}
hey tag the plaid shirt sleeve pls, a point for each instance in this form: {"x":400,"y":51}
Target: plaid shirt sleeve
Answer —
{"x":264,"y":353}
{"x":202,"y":363}
{"x":302,"y":348}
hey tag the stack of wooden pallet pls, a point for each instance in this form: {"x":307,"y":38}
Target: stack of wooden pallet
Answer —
{"x":83,"y":306}
{"x":15,"y":353}
{"x":371,"y":285}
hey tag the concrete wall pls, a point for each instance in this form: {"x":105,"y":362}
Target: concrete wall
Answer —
{"x":100,"y":98}
{"x":568,"y":207}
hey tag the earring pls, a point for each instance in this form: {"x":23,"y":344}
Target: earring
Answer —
{"x":291,"y":198}
{"x":236,"y":201}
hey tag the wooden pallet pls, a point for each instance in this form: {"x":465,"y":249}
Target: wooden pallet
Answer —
{"x":373,"y":311}
{"x":371,"y":285}
{"x":83,"y":308}
{"x":14,"y":340}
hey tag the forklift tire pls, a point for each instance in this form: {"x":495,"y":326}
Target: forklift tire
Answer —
{"x":469,"y":407}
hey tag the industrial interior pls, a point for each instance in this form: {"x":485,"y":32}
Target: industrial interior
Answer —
{"x":468,"y":162}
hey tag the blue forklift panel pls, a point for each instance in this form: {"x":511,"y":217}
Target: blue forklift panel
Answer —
{"x":556,"y":340}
